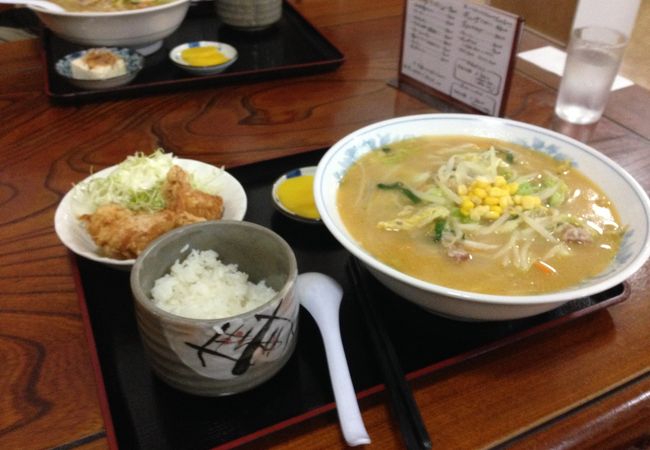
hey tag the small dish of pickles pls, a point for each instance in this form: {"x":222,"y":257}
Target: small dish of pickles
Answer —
{"x":203,"y":57}
{"x":293,"y":195}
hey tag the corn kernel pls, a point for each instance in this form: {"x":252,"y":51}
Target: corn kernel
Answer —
{"x":505,"y":201}
{"x":476,"y":200}
{"x":479,"y":192}
{"x":467,"y":204}
{"x":513,"y":187}
{"x":496,"y":209}
{"x":465,"y":212}
{"x":481,"y":183}
{"x":499,"y":181}
{"x":462,"y":189}
{"x":517,"y":199}
{"x":491,"y":201}
{"x":497,"y":192}
{"x":491,"y":215}
{"x":530,"y":201}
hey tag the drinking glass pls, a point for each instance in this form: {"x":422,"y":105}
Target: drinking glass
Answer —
{"x":593,"y":58}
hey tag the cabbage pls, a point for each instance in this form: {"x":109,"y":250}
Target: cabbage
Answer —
{"x":136,"y":183}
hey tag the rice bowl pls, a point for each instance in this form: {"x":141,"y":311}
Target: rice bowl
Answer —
{"x":233,"y":353}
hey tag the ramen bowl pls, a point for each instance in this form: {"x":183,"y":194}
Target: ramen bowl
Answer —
{"x":202,"y":355}
{"x":141,"y":29}
{"x":625,"y":193}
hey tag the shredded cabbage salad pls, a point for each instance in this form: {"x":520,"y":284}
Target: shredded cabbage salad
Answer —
{"x":136,"y":183}
{"x":478,"y":193}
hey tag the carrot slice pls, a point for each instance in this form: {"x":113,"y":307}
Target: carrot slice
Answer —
{"x":544,"y":267}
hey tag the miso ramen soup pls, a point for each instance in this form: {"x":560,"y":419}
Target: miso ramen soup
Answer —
{"x":107,"y":5}
{"x":479,"y":214}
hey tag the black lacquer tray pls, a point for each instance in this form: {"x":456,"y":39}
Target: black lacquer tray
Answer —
{"x":290,"y":47}
{"x":143,"y":413}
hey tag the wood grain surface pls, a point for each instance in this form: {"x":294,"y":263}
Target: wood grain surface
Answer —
{"x":585,"y":384}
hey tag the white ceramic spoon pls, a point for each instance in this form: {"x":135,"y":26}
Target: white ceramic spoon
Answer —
{"x":42,"y":4}
{"x":321,"y":296}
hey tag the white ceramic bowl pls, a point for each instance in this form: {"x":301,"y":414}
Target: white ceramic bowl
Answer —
{"x":227,"y":50}
{"x":141,"y":29}
{"x":74,"y":235}
{"x":134,"y":62}
{"x":630,"y":198}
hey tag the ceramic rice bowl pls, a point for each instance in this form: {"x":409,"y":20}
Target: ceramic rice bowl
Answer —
{"x":626,"y":194}
{"x":216,"y":357}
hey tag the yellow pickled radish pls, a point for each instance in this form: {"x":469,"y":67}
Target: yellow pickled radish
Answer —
{"x":297,"y":195}
{"x":203,"y":56}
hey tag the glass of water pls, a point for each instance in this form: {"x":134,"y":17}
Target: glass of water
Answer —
{"x":593,"y":58}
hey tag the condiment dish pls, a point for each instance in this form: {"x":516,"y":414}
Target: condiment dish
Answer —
{"x":228,"y":51}
{"x":286,"y":209}
{"x":133,"y":60}
{"x":618,"y":186}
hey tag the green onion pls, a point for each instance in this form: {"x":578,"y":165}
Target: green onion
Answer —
{"x":398,"y":186}
{"x":527,"y":188}
{"x":438,"y":228}
{"x":506,"y":155}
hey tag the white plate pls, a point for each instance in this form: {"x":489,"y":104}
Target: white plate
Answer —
{"x":227,"y":50}
{"x":74,"y":235}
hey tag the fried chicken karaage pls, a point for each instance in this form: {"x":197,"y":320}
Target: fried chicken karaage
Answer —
{"x":180,"y":196}
{"x":122,"y":233}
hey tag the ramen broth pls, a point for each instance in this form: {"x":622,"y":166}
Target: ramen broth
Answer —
{"x":416,"y":205}
{"x":107,"y":5}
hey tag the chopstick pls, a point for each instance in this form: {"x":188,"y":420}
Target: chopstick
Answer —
{"x":405,"y":409}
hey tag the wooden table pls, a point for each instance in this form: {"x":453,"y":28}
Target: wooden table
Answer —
{"x":584,"y":384}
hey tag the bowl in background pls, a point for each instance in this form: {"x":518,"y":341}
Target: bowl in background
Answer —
{"x":176,"y":55}
{"x":140,"y":29}
{"x":625,"y":193}
{"x":133,"y":60}
{"x":216,"y":357}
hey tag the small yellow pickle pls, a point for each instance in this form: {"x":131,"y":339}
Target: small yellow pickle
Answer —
{"x":203,"y":56}
{"x":296,"y":194}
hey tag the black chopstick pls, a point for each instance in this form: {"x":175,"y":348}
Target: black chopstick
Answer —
{"x":405,"y":409}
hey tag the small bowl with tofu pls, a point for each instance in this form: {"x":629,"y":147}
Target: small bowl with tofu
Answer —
{"x":100,"y":68}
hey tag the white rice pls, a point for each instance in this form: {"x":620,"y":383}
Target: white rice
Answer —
{"x":202,"y":287}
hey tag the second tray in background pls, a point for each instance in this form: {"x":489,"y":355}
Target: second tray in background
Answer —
{"x":290,"y":47}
